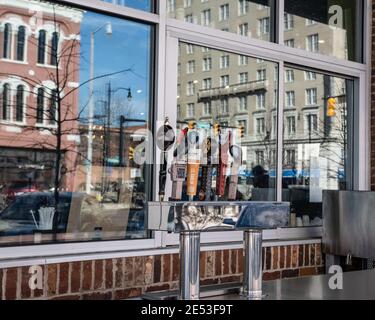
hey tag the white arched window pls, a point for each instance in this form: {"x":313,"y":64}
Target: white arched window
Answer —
{"x":42,"y":41}
{"x":21,"y":43}
{"x":5,"y":103}
{"x":20,"y":103}
{"x":40,"y":106}
{"x":7,"y":41}
{"x":54,"y":48}
{"x":53,"y":107}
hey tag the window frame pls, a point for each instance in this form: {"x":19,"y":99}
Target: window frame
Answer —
{"x":167,"y":36}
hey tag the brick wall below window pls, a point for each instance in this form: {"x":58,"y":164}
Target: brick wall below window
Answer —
{"x":123,"y":278}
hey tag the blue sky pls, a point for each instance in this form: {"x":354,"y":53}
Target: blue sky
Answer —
{"x":136,"y":4}
{"x":129,"y":47}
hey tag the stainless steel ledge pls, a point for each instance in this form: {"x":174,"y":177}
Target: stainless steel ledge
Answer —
{"x":59,"y":253}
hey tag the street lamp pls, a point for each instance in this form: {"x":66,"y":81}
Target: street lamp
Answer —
{"x":111,"y":92}
{"x":108,"y":29}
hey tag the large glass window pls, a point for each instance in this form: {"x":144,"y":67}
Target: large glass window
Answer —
{"x":72,"y":134}
{"x":247,"y":18}
{"x":333,"y":28}
{"x":241,"y":102}
{"x":316,"y":142}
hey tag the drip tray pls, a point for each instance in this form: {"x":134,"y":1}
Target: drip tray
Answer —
{"x":206,"y":292}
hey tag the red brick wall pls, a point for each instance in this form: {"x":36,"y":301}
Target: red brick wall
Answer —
{"x":130,"y":277}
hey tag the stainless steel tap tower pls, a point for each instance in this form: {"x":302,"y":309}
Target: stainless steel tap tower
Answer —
{"x":252,"y":277}
{"x":189,"y":265}
{"x":190,"y":219}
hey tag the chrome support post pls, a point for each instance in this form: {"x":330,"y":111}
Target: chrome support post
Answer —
{"x":252,"y":279}
{"x":189,"y":265}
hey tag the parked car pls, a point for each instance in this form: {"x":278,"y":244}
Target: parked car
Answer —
{"x":17,"y":188}
{"x":80,"y":215}
{"x":21,"y":216}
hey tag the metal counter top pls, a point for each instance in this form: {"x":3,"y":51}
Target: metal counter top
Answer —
{"x":358,"y":285}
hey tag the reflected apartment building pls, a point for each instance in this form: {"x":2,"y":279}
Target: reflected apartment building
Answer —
{"x":237,"y":91}
{"x":39,"y":69}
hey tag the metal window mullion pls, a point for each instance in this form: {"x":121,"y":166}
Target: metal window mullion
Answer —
{"x":105,"y":7}
{"x":171,"y":93}
{"x":361,"y":130}
{"x":161,"y":67}
{"x":280,"y":133}
{"x":221,"y":40}
{"x":280,"y":21}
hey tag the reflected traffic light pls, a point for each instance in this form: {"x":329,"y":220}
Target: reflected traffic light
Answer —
{"x":131,"y":153}
{"x":242,"y":132}
{"x":331,"y":107}
{"x":217,"y":129}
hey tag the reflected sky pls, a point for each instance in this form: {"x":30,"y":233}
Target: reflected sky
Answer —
{"x":145,"y":5}
{"x":128,"y":48}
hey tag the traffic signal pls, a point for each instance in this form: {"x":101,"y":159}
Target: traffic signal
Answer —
{"x":242,"y":132}
{"x":131,"y":153}
{"x":331,"y":107}
{"x":191,"y":125}
{"x":217,"y":129}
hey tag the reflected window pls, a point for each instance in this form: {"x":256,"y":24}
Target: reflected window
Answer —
{"x":333,"y":28}
{"x":289,"y":43}
{"x":224,"y":105}
{"x":7,"y":41}
{"x":224,"y":12}
{"x":190,"y":110}
{"x":291,"y":124}
{"x":289,"y":76}
{"x":5,"y":112}
{"x":236,"y":97}
{"x":290,"y":99}
{"x":224,"y":81}
{"x":53,"y":101}
{"x":40,"y":106}
{"x":54,"y":49}
{"x":317,"y":145}
{"x":244,"y":17}
{"x":264,"y":26}
{"x":20,"y":103}
{"x":243,"y":7}
{"x":288,"y":21}
{"x":311,"y":96}
{"x":312,"y":43}
{"x":42,"y":46}
{"x":21,"y":37}
{"x":207,"y":64}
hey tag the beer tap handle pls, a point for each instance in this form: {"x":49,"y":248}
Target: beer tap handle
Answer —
{"x":165,"y":139}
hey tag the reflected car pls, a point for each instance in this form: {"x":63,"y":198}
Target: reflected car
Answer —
{"x":21,"y":216}
{"x":79,"y":214}
{"x":18,"y":188}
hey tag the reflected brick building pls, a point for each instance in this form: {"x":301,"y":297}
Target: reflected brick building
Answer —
{"x":34,"y":40}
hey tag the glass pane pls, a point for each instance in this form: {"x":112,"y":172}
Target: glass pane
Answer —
{"x":145,"y":5}
{"x":316,"y":141}
{"x":333,"y":28}
{"x":231,"y":94}
{"x":243,"y":17}
{"x":68,"y":142}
